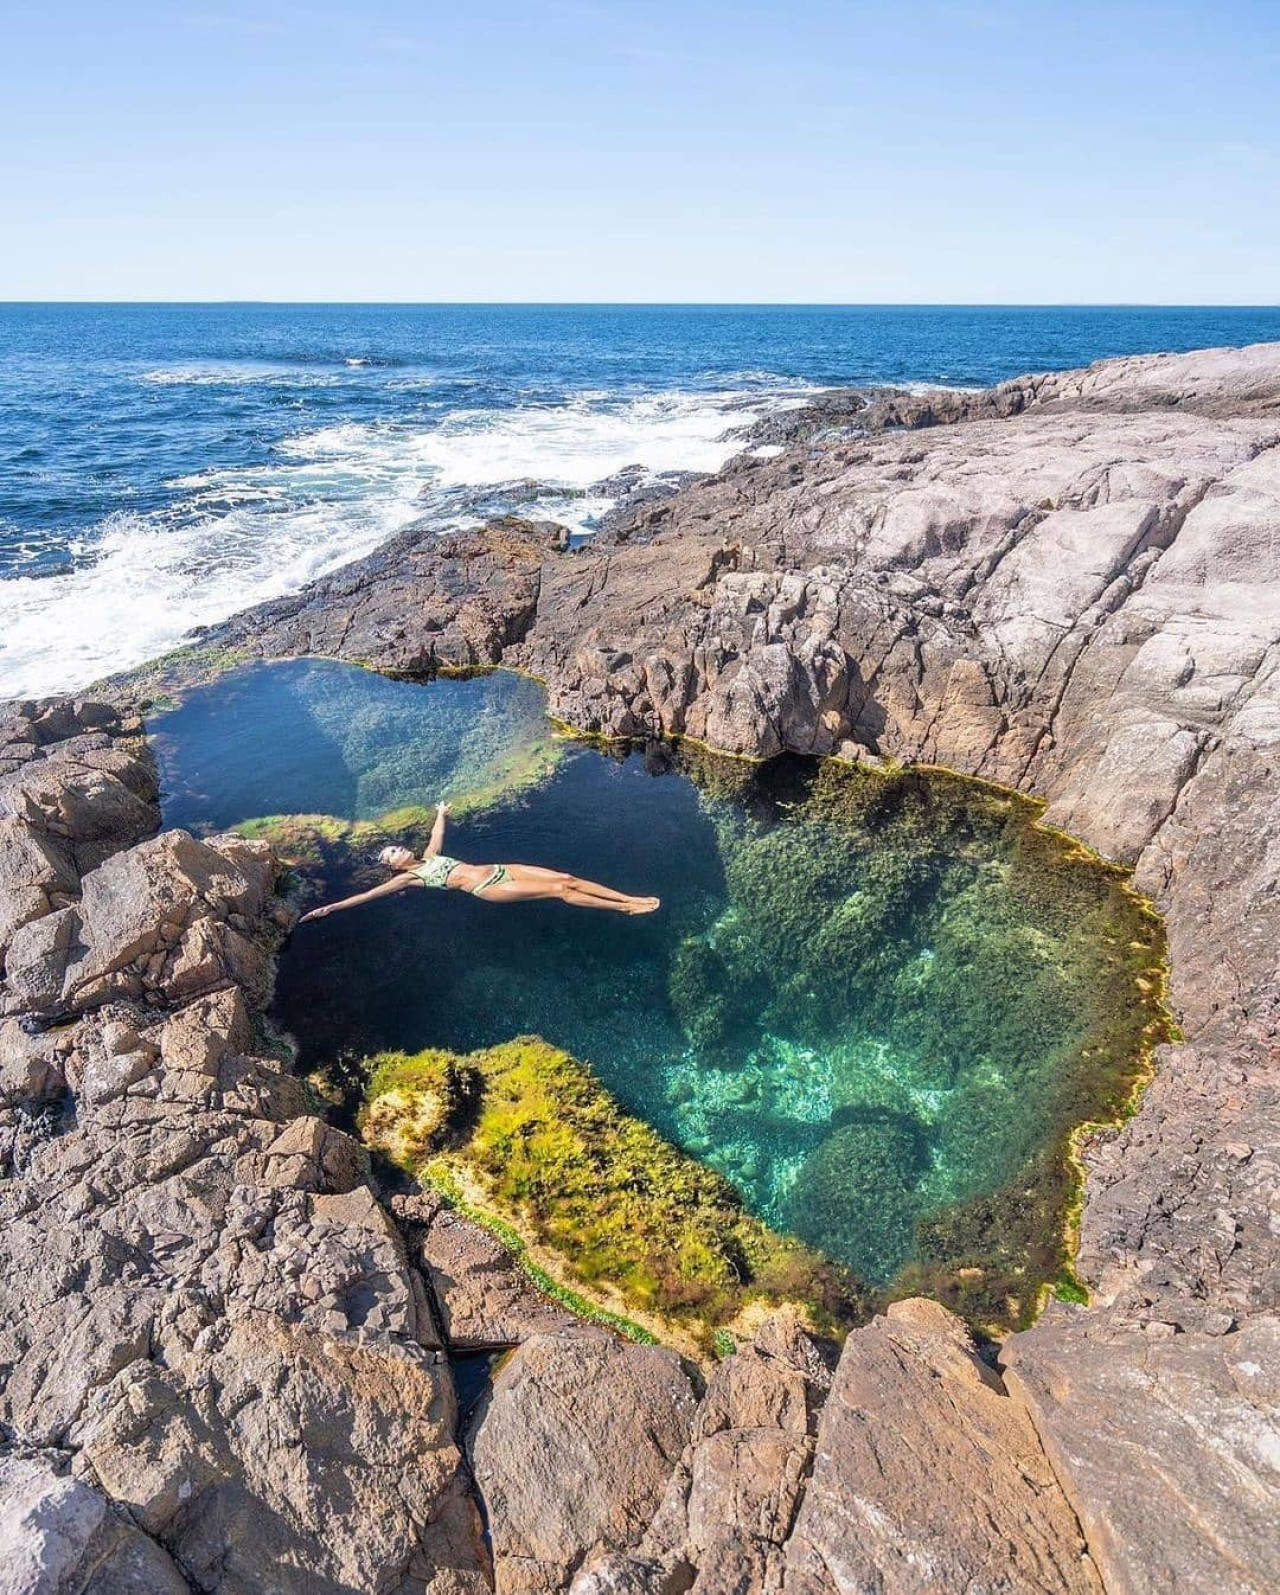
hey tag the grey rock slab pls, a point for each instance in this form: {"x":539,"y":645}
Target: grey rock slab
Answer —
{"x":61,"y":1536}
{"x":1167,"y":1444}
{"x":928,"y":1477}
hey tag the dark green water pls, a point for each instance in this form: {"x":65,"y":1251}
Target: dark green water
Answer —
{"x":878,"y":1005}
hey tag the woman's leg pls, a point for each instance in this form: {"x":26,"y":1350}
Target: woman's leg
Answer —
{"x":534,"y":874}
{"x":527,"y":882}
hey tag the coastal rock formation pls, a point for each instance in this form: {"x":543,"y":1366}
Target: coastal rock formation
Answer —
{"x":923,"y":1460}
{"x":1070,"y":585}
{"x":217,"y":1352}
{"x":205,"y":1316}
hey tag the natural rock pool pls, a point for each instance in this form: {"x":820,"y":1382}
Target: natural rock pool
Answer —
{"x":879,"y":1004}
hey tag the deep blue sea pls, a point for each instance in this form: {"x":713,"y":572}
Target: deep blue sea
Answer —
{"x":163,"y":465}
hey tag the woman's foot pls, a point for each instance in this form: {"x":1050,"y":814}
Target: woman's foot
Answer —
{"x":643,"y":905}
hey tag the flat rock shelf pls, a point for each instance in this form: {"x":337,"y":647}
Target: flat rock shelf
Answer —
{"x":880,"y":1005}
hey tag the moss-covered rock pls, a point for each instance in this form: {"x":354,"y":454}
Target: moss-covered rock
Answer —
{"x":533,"y":1137}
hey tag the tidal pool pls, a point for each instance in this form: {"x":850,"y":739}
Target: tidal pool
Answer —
{"x":880,"y":1005}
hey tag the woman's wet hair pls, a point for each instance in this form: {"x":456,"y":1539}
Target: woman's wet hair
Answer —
{"x":385,"y":856}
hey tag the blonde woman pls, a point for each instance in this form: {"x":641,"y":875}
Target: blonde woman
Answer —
{"x":495,"y":883}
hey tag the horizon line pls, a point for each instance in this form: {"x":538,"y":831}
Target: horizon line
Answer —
{"x":658,"y":304}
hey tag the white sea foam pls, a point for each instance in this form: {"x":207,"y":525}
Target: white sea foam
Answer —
{"x":235,"y":537}
{"x":572,"y":444}
{"x":239,"y":373}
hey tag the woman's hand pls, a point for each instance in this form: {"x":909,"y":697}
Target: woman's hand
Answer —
{"x":317,"y":913}
{"x":443,"y":809}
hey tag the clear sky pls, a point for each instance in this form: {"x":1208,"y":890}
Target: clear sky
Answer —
{"x":970,"y":151}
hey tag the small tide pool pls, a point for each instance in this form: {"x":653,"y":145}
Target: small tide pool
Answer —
{"x":879,"y":1005}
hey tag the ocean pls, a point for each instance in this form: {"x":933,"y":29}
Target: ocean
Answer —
{"x":162,"y":466}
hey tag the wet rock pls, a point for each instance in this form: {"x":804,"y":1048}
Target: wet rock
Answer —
{"x":572,"y":1450}
{"x":423,"y":602}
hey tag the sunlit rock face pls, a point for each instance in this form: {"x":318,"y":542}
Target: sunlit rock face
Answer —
{"x":879,"y":1004}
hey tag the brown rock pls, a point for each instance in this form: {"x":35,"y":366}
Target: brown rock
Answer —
{"x":928,"y":1477}
{"x":1167,"y":1448}
{"x":238,"y":1472}
{"x":484,"y":1297}
{"x":572,"y":1449}
{"x":728,"y":1509}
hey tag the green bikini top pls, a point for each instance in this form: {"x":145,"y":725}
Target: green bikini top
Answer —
{"x":436,"y":870}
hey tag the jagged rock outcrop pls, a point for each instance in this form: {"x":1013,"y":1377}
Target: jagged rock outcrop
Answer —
{"x":729,"y":1508}
{"x":203,"y":1309}
{"x":910,"y":1469}
{"x":418,"y":604}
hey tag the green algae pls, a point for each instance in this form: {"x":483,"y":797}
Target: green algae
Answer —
{"x":1008,"y":988}
{"x":547,"y":1150}
{"x":161,"y":682}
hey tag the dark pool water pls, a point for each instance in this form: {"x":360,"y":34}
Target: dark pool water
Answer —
{"x":878,"y":1006}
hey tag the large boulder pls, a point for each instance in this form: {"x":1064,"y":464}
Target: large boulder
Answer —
{"x":927,"y":1476}
{"x":270,"y":1446}
{"x":572,"y":1450}
{"x":167,"y":920}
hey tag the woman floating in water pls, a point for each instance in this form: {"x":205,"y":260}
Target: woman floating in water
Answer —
{"x":496,"y":883}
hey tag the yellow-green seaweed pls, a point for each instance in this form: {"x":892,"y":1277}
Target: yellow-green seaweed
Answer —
{"x":551,"y":1153}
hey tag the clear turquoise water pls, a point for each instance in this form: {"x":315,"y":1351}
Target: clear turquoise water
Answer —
{"x":876,"y":1006}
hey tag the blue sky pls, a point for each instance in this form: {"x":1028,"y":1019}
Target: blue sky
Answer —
{"x":972,"y":151}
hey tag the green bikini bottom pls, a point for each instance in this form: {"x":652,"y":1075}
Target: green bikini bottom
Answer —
{"x":436,"y":870}
{"x":495,"y":877}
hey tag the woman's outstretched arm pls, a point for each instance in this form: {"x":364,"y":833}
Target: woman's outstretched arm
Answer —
{"x":396,"y":884}
{"x":437,"y":830}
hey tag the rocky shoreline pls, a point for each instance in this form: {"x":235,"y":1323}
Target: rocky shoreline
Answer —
{"x":221,"y":1352}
